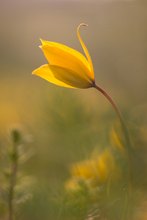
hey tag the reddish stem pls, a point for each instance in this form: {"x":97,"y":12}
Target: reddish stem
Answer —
{"x":110,"y":100}
{"x":108,"y":97}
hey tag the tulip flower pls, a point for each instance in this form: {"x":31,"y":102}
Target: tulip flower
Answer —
{"x":69,"y":68}
{"x":66,"y":66}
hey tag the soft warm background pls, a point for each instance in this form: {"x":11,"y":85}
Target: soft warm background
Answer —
{"x":66,"y":125}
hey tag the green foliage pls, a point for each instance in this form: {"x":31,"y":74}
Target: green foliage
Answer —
{"x":15,"y":186}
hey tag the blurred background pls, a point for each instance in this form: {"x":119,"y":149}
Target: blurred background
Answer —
{"x":66,"y":126}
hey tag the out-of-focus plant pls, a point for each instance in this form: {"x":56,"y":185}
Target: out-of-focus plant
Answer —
{"x":102,"y":181}
{"x":15,"y":185}
{"x":98,"y":186}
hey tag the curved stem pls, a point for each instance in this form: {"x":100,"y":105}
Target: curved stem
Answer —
{"x":125,"y":133}
{"x":108,"y":97}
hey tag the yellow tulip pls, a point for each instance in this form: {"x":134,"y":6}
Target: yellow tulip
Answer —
{"x":69,"y":68}
{"x":66,"y":66}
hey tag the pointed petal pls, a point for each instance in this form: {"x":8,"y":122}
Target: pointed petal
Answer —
{"x":61,"y":55}
{"x":85,"y":50}
{"x":61,"y":76}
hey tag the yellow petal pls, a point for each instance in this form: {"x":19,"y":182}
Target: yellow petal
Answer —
{"x":61,"y":76}
{"x":85,"y":49}
{"x":61,"y":55}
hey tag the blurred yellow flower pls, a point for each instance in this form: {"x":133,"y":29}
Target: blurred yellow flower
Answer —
{"x":94,"y":172}
{"x":66,"y":66}
{"x":84,"y":169}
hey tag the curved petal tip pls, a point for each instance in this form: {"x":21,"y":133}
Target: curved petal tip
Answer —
{"x":82,"y":24}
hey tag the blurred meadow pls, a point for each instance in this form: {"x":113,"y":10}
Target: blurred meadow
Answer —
{"x":67,"y":144}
